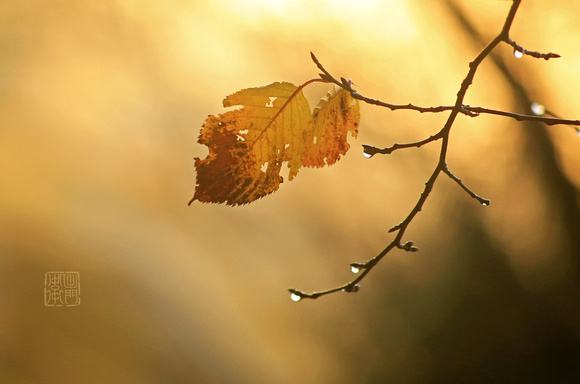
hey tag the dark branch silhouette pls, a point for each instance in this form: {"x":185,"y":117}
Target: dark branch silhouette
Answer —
{"x":363,"y":269}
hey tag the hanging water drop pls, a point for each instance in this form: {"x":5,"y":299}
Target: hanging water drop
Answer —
{"x":355,"y":269}
{"x":367,"y":155}
{"x":518,"y":54}
{"x":537,"y":109}
{"x":484,"y":203}
{"x":295,"y":297}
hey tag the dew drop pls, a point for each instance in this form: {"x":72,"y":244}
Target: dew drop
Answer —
{"x":484,"y":203}
{"x":295,"y":297}
{"x":355,"y":269}
{"x":518,"y":54}
{"x":537,"y":109}
{"x":367,"y":155}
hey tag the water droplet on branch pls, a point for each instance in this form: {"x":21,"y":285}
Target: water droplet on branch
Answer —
{"x":367,"y":155}
{"x":355,"y":269}
{"x":295,"y":297}
{"x":518,"y":54}
{"x":537,"y":109}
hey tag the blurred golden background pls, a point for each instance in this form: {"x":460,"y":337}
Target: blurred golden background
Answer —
{"x":101,"y":105}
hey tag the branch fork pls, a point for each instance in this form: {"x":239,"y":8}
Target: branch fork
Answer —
{"x":362,"y":269}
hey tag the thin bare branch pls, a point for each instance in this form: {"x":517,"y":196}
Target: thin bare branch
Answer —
{"x":466,"y":109}
{"x":519,"y":117}
{"x":536,"y":54}
{"x":394,"y":107}
{"x":370,"y":151}
{"x":347,"y":85}
{"x":482,"y":200}
{"x":441,"y":164}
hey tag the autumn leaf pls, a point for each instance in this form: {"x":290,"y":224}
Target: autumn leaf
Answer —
{"x":248,"y":146}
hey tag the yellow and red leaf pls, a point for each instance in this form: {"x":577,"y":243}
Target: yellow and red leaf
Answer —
{"x":248,"y":146}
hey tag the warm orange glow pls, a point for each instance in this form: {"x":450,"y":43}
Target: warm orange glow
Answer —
{"x":101,"y":105}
